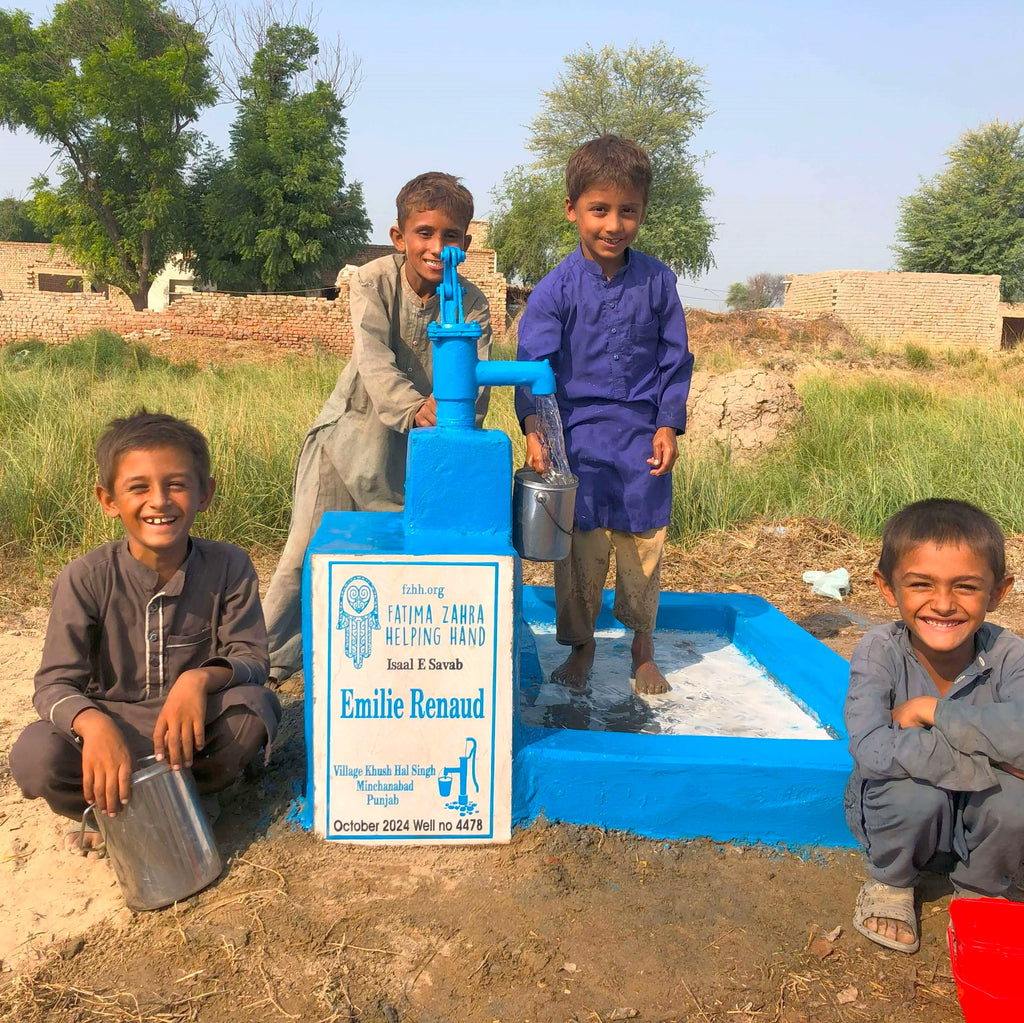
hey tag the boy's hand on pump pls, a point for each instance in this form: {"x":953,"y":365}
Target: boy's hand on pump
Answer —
{"x":664,"y":451}
{"x":427,"y":414}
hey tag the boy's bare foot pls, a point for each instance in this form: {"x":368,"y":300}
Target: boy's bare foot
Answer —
{"x":648,"y":679}
{"x":647,"y":676}
{"x":80,"y":843}
{"x":574,"y":671}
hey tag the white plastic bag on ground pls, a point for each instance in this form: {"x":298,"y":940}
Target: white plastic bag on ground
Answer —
{"x":829,"y":584}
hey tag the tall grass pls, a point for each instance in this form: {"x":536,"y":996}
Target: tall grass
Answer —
{"x":861,"y":450}
{"x":918,"y":357}
{"x":55,"y":401}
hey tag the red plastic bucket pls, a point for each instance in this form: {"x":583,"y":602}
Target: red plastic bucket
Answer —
{"x":986,"y":949}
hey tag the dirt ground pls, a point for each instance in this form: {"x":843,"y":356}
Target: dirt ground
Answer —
{"x":564,"y":924}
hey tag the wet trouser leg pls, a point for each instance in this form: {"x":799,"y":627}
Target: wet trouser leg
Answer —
{"x":579,"y":581}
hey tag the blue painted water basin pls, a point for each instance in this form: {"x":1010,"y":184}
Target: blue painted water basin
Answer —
{"x":774,"y":773}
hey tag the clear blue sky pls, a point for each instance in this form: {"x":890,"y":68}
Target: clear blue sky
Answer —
{"x":822,"y":118}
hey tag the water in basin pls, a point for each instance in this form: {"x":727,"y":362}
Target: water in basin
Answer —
{"x":716,"y":690}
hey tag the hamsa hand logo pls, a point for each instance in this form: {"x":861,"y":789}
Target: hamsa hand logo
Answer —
{"x":357,"y":615}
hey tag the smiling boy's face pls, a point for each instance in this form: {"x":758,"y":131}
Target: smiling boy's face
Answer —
{"x":424,"y":235}
{"x":942,"y":595}
{"x":608,"y":218}
{"x":157,"y":494}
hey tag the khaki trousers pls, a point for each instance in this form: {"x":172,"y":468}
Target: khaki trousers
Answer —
{"x":579,"y":580}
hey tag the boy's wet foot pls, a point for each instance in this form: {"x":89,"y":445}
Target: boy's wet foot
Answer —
{"x":574,"y":671}
{"x":648,"y":679}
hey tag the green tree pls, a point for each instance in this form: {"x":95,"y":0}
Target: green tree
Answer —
{"x":16,"y":223}
{"x":737,"y":297}
{"x":643,"y":93}
{"x":759,"y":291}
{"x":277,"y":211}
{"x":969,"y":219}
{"x":114,"y":85}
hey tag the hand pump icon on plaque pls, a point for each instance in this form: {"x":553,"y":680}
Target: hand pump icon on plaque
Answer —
{"x":464,"y":772}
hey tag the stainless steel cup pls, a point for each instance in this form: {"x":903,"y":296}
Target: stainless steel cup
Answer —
{"x":161,"y":844}
{"x":542,"y":516}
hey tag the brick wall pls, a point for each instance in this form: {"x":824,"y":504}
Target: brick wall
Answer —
{"x":481,"y":267}
{"x":21,"y":262}
{"x":284,"y":321}
{"x":947,"y":310}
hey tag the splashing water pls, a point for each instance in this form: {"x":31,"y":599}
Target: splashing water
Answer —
{"x":549,"y":428}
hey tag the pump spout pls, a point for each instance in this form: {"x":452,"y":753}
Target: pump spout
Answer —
{"x":457,"y":372}
{"x":538,"y":376}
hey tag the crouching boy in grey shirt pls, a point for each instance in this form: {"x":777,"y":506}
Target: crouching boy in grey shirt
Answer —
{"x":935,"y":713}
{"x":155,"y":644}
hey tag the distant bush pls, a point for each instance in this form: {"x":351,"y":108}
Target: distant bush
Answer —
{"x":962,"y":356}
{"x":100,"y":353}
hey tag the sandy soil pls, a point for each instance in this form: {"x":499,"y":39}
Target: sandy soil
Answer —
{"x":43,"y":897}
{"x":566,"y":923}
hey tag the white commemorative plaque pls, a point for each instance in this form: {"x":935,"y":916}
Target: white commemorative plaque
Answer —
{"x":412,"y":698}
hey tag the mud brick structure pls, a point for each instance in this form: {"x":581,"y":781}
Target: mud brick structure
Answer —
{"x":29,"y":267}
{"x":939,"y":310}
{"x":44,"y":295}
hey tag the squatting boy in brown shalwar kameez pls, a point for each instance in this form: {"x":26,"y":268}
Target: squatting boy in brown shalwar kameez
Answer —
{"x":155,"y":644}
{"x":353,"y":457}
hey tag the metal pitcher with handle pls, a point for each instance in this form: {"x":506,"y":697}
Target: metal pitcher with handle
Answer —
{"x":160,"y":844}
{"x":542,"y":516}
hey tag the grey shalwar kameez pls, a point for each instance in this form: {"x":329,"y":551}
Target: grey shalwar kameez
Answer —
{"x":353,"y":457}
{"x":117,"y":641}
{"x":920,"y":795}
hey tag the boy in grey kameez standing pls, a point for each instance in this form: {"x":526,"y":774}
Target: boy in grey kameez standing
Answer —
{"x":353,"y":457}
{"x":935,"y":714}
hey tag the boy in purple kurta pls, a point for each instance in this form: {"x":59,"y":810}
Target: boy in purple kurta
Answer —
{"x":609,"y":320}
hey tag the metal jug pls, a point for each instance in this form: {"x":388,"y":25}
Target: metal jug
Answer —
{"x":542,"y":516}
{"x":161,"y":844}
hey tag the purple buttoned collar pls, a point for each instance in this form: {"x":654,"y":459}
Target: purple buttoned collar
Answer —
{"x":593,"y":268}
